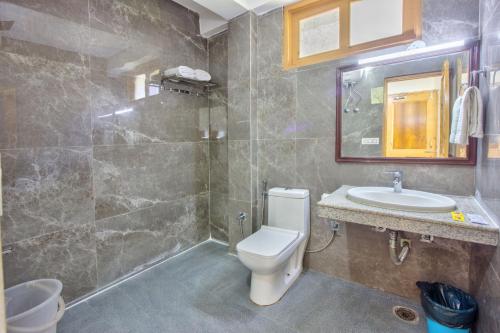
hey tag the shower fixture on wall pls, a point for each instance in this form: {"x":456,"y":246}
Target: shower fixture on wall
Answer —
{"x":353,"y":97}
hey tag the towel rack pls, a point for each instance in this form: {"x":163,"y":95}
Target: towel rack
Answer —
{"x":485,"y":70}
{"x":183,"y":86}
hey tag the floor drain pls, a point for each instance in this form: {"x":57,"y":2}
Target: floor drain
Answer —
{"x":405,"y":314}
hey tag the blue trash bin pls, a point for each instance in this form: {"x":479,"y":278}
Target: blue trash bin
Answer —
{"x":447,"y":309}
{"x":435,"y":327}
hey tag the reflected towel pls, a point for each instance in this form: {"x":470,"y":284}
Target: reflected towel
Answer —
{"x":202,"y":75}
{"x":470,"y":117}
{"x":454,"y":118}
{"x":181,"y":71}
{"x":474,"y":104}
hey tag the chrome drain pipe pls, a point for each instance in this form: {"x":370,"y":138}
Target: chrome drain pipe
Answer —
{"x":405,"y":249}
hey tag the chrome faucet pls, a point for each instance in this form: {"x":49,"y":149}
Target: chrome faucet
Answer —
{"x":397,"y":180}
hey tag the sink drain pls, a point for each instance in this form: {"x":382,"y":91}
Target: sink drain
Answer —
{"x":405,"y":314}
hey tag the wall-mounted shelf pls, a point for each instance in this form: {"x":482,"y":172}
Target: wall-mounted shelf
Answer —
{"x":189,"y":82}
{"x":186,"y":86}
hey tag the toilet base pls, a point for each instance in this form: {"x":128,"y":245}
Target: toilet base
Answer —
{"x":267,"y":289}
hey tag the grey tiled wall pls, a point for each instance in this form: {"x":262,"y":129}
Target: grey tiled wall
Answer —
{"x":89,"y":196}
{"x":295,"y":147}
{"x":488,"y":169}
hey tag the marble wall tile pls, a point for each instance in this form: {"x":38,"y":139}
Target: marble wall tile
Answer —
{"x":488,"y":169}
{"x":305,"y":159}
{"x":219,"y":169}
{"x":239,"y":52}
{"x":362,"y":255}
{"x":234,"y":208}
{"x":488,"y":175}
{"x":489,"y":10}
{"x":276,"y":163}
{"x":163,"y":117}
{"x":219,"y":163}
{"x":276,"y":107}
{"x":316,"y":166}
{"x":219,"y":219}
{"x":443,"y":260}
{"x":334,"y":260}
{"x":80,"y":118}
{"x":316,"y":102}
{"x":239,"y":104}
{"x":180,"y":17}
{"x":449,"y":20}
{"x":166,"y":228}
{"x":128,"y":178}
{"x":67,"y":255}
{"x":269,"y":45}
{"x":73,"y":10}
{"x":49,"y":104}
{"x":488,"y":298}
{"x":45,"y":190}
{"x":239,"y":170}
{"x":218,"y":110}
{"x":184,"y":49}
{"x":125,"y":18}
{"x":218,"y":58}
{"x":317,"y":169}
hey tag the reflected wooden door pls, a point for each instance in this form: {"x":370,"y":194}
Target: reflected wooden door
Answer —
{"x":411,"y":124}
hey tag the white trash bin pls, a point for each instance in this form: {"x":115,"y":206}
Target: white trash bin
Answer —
{"x":34,"y":306}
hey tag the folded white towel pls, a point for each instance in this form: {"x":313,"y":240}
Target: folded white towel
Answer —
{"x":202,"y":75}
{"x":181,"y":71}
{"x":470,"y":118}
{"x":454,"y":118}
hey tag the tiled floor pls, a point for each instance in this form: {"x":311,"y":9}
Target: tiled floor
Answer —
{"x":206,"y":290}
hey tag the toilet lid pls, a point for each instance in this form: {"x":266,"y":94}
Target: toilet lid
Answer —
{"x":268,"y":241}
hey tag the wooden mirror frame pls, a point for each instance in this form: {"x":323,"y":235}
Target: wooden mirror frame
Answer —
{"x":473,"y":48}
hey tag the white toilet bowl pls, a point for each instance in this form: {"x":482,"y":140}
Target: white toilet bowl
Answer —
{"x":274,"y":254}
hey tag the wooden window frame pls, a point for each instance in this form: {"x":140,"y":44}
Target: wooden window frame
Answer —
{"x":412,"y":30}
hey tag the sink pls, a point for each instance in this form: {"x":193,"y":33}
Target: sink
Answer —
{"x":407,"y":200}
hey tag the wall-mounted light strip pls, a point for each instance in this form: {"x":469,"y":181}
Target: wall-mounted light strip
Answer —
{"x":412,"y":52}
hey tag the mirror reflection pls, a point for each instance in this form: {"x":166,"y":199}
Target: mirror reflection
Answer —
{"x":404,"y":109}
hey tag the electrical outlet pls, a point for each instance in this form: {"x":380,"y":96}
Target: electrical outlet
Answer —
{"x":426,"y":238}
{"x":370,"y":141}
{"x":337,"y":227}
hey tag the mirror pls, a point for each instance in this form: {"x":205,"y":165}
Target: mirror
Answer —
{"x":402,"y":111}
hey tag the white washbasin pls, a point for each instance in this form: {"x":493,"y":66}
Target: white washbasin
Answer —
{"x":408,"y":200}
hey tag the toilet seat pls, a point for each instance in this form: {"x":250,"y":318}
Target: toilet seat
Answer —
{"x":268,"y":242}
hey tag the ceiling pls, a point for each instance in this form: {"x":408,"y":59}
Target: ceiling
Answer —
{"x":214,"y":14}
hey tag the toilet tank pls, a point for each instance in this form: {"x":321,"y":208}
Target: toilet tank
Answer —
{"x":289,"y":209}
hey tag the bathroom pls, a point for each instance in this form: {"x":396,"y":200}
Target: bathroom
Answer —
{"x":139,"y":191}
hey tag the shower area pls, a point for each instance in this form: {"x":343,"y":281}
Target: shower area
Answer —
{"x":106,"y":170}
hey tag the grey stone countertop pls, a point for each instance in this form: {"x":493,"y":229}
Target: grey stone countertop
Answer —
{"x":336,"y":206}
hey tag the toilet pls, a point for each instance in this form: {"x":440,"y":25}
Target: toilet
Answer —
{"x":274,"y":254}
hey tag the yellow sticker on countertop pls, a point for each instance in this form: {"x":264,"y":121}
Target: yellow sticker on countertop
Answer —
{"x":457,"y":216}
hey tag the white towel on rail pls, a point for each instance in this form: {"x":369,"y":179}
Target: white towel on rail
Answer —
{"x":474,"y":103}
{"x":181,"y":71}
{"x":202,"y":75}
{"x":470,"y":118}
